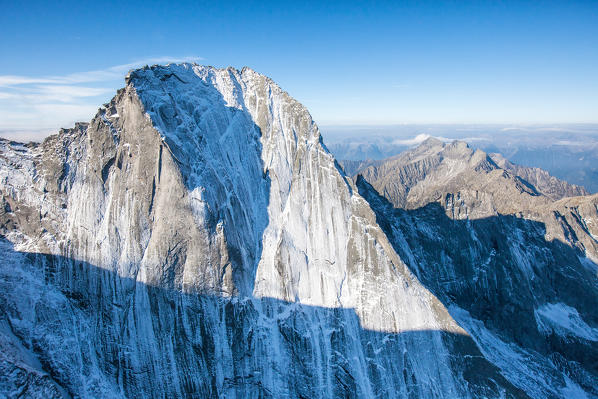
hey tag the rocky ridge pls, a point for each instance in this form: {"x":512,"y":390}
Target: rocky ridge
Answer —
{"x":548,"y":185}
{"x":515,"y":267}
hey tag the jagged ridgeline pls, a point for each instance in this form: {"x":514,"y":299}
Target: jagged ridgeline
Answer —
{"x":196,"y":239}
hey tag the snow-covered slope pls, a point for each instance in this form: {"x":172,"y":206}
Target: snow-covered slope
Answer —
{"x":196,"y":239}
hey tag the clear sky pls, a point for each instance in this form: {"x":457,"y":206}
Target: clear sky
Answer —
{"x":348,"y":62}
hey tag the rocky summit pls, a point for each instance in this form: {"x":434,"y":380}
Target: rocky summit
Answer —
{"x":196,"y":239}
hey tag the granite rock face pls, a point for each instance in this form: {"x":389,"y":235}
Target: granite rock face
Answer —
{"x":516,"y":268}
{"x":196,"y":239}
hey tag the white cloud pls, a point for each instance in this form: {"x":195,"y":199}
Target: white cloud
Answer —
{"x":420,"y":138}
{"x":44,"y":93}
{"x":11,"y":80}
{"x":470,"y":139}
{"x":570,"y":143}
{"x":574,"y":128}
{"x":43,"y":104}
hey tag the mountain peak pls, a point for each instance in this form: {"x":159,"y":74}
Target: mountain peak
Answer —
{"x":431,"y":142}
{"x":459,"y":145}
{"x":202,"y":242}
{"x":199,"y":192}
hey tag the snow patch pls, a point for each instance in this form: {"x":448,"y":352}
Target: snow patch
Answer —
{"x":563,"y":320}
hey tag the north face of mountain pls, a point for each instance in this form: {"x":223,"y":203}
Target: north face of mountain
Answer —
{"x":196,"y":239}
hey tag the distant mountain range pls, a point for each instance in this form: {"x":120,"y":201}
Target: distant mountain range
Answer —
{"x":568,"y":152}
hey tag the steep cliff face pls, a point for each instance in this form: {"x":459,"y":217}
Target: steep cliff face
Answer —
{"x":196,"y":239}
{"x":516,"y":269}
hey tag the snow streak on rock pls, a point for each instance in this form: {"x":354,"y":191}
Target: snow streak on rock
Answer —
{"x":196,"y":239}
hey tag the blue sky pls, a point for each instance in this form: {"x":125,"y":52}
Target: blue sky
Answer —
{"x":348,"y":62}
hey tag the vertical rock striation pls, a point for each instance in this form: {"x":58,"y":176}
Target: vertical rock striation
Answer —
{"x":196,"y":239}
